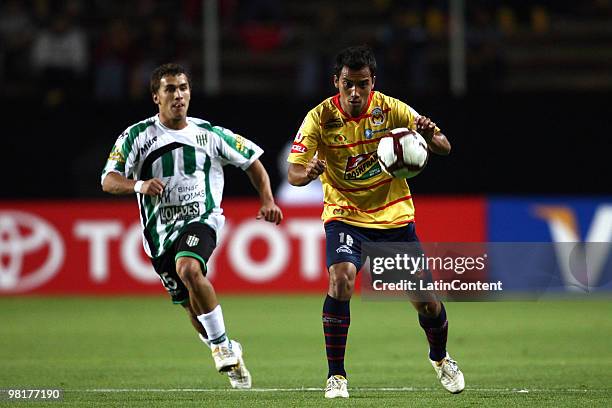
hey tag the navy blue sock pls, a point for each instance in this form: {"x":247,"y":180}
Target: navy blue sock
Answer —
{"x":436,"y":329}
{"x":336,"y":318}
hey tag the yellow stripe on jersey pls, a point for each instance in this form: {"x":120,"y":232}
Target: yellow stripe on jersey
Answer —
{"x":355,"y":188}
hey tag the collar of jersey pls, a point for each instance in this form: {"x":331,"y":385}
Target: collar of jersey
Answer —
{"x":362,"y":115}
{"x":166,"y":128}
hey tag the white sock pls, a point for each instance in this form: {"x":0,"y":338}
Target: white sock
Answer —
{"x":215,"y":327}
{"x":205,"y":340}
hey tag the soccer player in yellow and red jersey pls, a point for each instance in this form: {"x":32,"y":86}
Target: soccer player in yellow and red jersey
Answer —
{"x":337,"y":143}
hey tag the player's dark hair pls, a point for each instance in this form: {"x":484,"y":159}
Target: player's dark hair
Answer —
{"x":355,"y":58}
{"x":166,"y":69}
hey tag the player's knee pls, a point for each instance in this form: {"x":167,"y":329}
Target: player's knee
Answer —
{"x":188,"y":270}
{"x":429,"y":309}
{"x":187,"y":275}
{"x":341,"y":282}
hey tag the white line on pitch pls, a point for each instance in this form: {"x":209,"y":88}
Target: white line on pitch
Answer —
{"x":307,"y":389}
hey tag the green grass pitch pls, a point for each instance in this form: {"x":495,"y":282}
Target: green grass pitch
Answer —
{"x":141,"y":351}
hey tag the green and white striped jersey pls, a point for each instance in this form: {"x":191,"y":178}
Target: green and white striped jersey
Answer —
{"x":190,"y":162}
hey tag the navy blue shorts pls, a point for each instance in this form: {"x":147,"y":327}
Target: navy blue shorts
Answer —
{"x":343,"y":241}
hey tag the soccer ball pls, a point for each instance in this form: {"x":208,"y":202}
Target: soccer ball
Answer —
{"x":402,"y":153}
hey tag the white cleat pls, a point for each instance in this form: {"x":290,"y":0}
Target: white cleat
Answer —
{"x":449,"y":374}
{"x":225,"y":358}
{"x":239,"y":376}
{"x":336,"y":387}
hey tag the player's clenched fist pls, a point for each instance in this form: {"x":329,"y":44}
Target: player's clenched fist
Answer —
{"x":271,"y":213}
{"x":425,"y":127}
{"x":152,"y":187}
{"x":315,"y":168}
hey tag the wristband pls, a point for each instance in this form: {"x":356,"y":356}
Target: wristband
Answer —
{"x":138,"y":186}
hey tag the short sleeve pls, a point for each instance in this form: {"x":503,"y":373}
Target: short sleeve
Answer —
{"x":235,"y":149}
{"x":306,"y":141}
{"x":121,"y":158}
{"x":407,"y":116}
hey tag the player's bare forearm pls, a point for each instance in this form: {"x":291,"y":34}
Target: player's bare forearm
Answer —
{"x":300,"y":175}
{"x":439,"y":144}
{"x":261,"y":181}
{"x":436,"y":141}
{"x":115,"y":183}
{"x":296,"y":175}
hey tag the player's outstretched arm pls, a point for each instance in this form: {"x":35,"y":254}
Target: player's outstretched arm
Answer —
{"x":300,"y":175}
{"x":436,"y":141}
{"x":269,"y":211}
{"x":115,"y":183}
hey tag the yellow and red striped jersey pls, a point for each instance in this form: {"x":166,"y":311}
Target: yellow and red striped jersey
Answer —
{"x":356,"y":190}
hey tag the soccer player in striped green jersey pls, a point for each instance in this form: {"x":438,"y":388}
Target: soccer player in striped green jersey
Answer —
{"x":174,"y":164}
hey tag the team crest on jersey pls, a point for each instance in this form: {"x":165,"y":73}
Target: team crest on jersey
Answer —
{"x":202,"y":139}
{"x":362,"y":167}
{"x":192,"y":240}
{"x":377,"y":116}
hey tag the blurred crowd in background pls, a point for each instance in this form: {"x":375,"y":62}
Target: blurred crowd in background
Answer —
{"x":74,"y":74}
{"x":105,"y":50}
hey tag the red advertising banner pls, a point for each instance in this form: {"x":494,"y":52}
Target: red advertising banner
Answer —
{"x":95,"y":247}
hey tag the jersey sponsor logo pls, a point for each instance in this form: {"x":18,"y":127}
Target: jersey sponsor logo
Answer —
{"x":362,"y":167}
{"x":369,"y":133}
{"x":23,"y":236}
{"x":179,"y":212}
{"x":345,"y":249}
{"x":166,"y":194}
{"x":333,"y":123}
{"x":298,"y":138}
{"x":192,"y":195}
{"x":182,"y":193}
{"x":329,"y":319}
{"x":339,"y":139}
{"x":192,"y":240}
{"x":241,"y":144}
{"x":377,"y":116}
{"x":144,"y":149}
{"x":202,"y":139}
{"x":116,"y":155}
{"x":298,"y":148}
